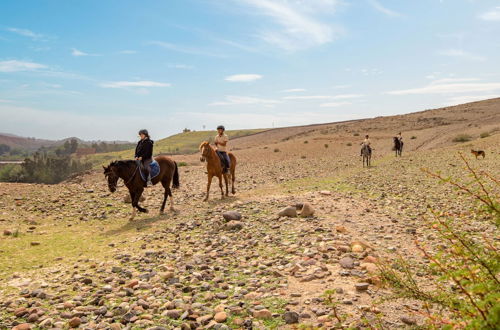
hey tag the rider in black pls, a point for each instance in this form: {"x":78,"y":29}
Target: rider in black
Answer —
{"x":144,"y":153}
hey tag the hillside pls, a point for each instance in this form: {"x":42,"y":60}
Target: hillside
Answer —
{"x":73,"y":257}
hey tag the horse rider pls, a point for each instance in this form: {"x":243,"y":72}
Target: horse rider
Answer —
{"x":366,"y":142}
{"x":144,"y":154}
{"x":400,"y":137}
{"x":221,"y":141}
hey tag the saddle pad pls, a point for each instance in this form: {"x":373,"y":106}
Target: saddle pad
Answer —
{"x":154,"y":168}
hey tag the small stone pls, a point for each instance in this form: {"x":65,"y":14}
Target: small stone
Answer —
{"x":291,"y":317}
{"x":231,"y":215}
{"x":35,"y":243}
{"x":47,"y":323}
{"x":75,"y":322}
{"x":347,"y":262}
{"x":262,"y":314}
{"x":357,"y":248}
{"x":204,"y":319}
{"x":234,"y":225}
{"x":307,"y":210}
{"x":341,"y":229}
{"x":408,"y":320}
{"x":289,"y":211}
{"x":325,"y":192}
{"x":362,"y":286}
{"x":22,"y":326}
{"x":174,"y":313}
{"x":7,"y":232}
{"x":220,"y":317}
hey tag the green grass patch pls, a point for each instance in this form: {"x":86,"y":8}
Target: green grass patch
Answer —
{"x":462,"y":138}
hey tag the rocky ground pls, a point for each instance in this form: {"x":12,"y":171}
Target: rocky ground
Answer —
{"x":71,"y":259}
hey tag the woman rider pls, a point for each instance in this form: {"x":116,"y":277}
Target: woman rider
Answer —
{"x":144,"y":153}
{"x":221,"y":141}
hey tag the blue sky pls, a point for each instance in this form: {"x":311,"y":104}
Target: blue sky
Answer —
{"x":104,"y":69}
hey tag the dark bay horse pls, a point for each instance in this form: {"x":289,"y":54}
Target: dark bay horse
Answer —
{"x":129,"y":172}
{"x":367,"y":155}
{"x":398,"y":146}
{"x":214,"y":168}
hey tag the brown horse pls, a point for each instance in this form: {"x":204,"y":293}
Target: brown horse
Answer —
{"x":128,"y":170}
{"x":214,"y":168}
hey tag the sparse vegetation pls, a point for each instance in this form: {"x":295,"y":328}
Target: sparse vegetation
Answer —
{"x":326,"y":145}
{"x":462,"y":138}
{"x":276,"y":150}
{"x":413,"y":137}
{"x":349,"y":144}
{"x":356,"y":134}
{"x":182,"y":164}
{"x":306,"y":142}
{"x":484,"y":135}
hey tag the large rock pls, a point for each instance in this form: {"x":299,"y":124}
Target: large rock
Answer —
{"x":262,"y":314}
{"x":231,"y":215}
{"x":289,"y":211}
{"x":220,"y":317}
{"x":291,"y":317}
{"x":307,"y":210}
{"x":347,"y":262}
{"x":75,"y":322}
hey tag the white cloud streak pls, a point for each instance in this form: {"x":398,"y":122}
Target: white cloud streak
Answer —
{"x":15,"y":66}
{"x":460,"y":53}
{"x":492,"y":15}
{"x":27,"y":33}
{"x":450,"y":86}
{"x":293,"y":90}
{"x":245,"y":100}
{"x":379,"y":7}
{"x":75,"y":52}
{"x":129,"y":84}
{"x":243,"y":77}
{"x":334,"y":104}
{"x":323,"y":97}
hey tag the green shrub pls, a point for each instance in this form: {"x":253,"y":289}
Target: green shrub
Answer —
{"x":356,"y":134}
{"x":276,"y":150}
{"x":484,"y":135}
{"x":349,"y":144}
{"x":182,"y":164}
{"x":326,"y":145}
{"x":464,"y":266}
{"x":462,"y":138}
{"x":306,"y":142}
{"x":413,"y":137}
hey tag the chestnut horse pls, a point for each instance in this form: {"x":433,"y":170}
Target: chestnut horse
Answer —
{"x":214,"y":168}
{"x":128,"y":170}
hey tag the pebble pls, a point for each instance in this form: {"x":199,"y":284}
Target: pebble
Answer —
{"x":289,"y":211}
{"x":307,"y":210}
{"x":291,"y":317}
{"x":262,"y":314}
{"x":362,"y":286}
{"x":220,"y":317}
{"x":231,"y":215}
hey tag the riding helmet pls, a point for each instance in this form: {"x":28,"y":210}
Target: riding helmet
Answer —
{"x":221,"y":127}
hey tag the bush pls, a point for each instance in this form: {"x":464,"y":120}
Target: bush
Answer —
{"x":276,"y":150}
{"x":413,"y":137}
{"x":484,"y":135}
{"x":356,"y":134}
{"x":182,"y":164}
{"x":326,"y":145}
{"x":462,"y":138}
{"x":303,"y":157}
{"x":306,"y":142}
{"x":465,"y":264}
{"x":349,"y":144}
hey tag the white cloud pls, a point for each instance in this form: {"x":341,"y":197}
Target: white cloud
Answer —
{"x":181,"y":66}
{"x":459,"y":53}
{"x":334,"y":104}
{"x":469,"y":98}
{"x":128,"y":84}
{"x":298,"y":26}
{"x":378,"y":6}
{"x":76,"y":52}
{"x":27,"y":33}
{"x":492,"y":15}
{"x":245,"y":100}
{"x":15,"y":66}
{"x":243,"y":77}
{"x":323,"y":97}
{"x":186,"y":49}
{"x":293,"y":90}
{"x":450,"y":86}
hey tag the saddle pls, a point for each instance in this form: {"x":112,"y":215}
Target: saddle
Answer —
{"x":223,"y":161}
{"x":154,"y":170}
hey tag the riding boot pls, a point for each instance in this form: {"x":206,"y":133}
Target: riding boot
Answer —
{"x":149,"y":183}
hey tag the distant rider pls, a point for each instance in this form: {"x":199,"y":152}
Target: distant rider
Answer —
{"x":221,"y":141}
{"x":400,"y":137}
{"x":144,"y":153}
{"x":366,"y":142}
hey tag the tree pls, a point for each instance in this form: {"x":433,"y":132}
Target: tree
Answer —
{"x":4,"y":149}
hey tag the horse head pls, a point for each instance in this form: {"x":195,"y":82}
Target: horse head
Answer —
{"x":109,"y":173}
{"x":205,"y":150}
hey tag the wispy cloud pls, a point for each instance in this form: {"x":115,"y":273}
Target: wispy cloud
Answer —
{"x":450,"y":86}
{"x":15,"y":66}
{"x":245,"y":100}
{"x":334,"y":104}
{"x":75,"y":52}
{"x":459,"y":53}
{"x":293,"y":90}
{"x":323,"y":97}
{"x":128,"y":84}
{"x":378,"y":6}
{"x":181,"y":66}
{"x":27,"y":33}
{"x":186,"y":49}
{"x":470,"y":98}
{"x":491,"y":15}
{"x":243,"y":77}
{"x":298,"y":26}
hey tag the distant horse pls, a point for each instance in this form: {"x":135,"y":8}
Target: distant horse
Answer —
{"x":367,"y":155}
{"x":128,"y":170}
{"x":398,"y":146}
{"x":214,"y":168}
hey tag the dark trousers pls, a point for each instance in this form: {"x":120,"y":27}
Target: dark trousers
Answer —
{"x":145,"y":166}
{"x":225,"y":160}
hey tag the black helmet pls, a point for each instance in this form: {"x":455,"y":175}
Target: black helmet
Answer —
{"x":144,"y":131}
{"x":221,"y":127}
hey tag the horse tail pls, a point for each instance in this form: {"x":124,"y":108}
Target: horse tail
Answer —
{"x":176,"y":182}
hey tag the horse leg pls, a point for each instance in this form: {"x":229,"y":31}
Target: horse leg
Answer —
{"x":165,"y":196}
{"x":226,"y":181}
{"x":137,"y":197}
{"x":220,"y":186}
{"x":171,"y":201}
{"x":232,"y":182}
{"x":132,"y":199}
{"x":208,"y":187}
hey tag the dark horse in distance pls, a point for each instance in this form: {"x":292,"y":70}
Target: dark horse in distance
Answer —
{"x":398,"y":146}
{"x":128,"y":170}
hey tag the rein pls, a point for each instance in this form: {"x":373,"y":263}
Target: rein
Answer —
{"x":133,"y":175}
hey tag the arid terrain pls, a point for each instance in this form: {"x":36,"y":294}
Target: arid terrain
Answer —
{"x":69,"y":256}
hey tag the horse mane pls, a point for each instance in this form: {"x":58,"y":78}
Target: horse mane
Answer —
{"x":203,"y":144}
{"x":122,"y":163}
